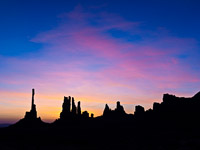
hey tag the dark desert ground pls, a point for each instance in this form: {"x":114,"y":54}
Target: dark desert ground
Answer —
{"x":172,"y":124}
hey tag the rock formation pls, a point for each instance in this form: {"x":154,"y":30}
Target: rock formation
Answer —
{"x":33,"y":113}
{"x":79,"y":109}
{"x":92,"y":115}
{"x":71,"y":112}
{"x":106,"y":111}
{"x":117,"y":113}
{"x":119,"y":109}
{"x":73,"y":107}
{"x":196,"y":96}
{"x":30,"y":119}
{"x":139,"y":111}
{"x":156,"y":106}
{"x":171,"y":109}
{"x":66,"y":107}
{"x":85,"y":115}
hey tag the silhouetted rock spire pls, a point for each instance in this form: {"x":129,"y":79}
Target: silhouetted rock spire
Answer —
{"x":172,"y":108}
{"x":68,"y":104}
{"x":106,"y":111}
{"x":119,"y":109}
{"x":79,"y":109}
{"x":173,"y":123}
{"x":73,"y":107}
{"x":156,"y":106}
{"x":33,"y":113}
{"x":30,"y":119}
{"x":71,"y":112}
{"x":33,"y":94}
{"x":66,"y":107}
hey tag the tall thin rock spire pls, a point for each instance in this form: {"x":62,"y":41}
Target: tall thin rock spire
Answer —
{"x":33,"y":113}
{"x":33,"y":94}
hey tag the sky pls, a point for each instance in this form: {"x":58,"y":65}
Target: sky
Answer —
{"x":96,"y":51}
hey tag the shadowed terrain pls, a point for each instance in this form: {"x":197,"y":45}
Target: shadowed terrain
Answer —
{"x":171,"y":124}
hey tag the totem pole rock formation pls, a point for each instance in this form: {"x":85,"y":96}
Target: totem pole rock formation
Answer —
{"x":174,"y":109}
{"x":66,"y":107}
{"x":79,"y":109}
{"x":73,"y":107}
{"x":70,"y":111}
{"x":30,"y":119}
{"x":33,"y":113}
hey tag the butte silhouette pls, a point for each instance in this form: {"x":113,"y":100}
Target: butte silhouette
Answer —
{"x":172,"y":124}
{"x":180,"y":110}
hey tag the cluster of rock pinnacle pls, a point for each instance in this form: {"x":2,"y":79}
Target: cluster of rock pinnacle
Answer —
{"x":172,"y":107}
{"x":70,"y":111}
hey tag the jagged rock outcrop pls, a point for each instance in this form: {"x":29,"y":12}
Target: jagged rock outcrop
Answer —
{"x":106,"y":111}
{"x":156,"y":106}
{"x":171,"y":124}
{"x":114,"y":114}
{"x":139,"y":110}
{"x":66,"y":108}
{"x":70,"y":112}
{"x":172,"y":108}
{"x":30,"y":119}
{"x":92,"y":115}
{"x":173,"y":111}
{"x":173,"y":104}
{"x":85,"y":115}
{"x":120,"y":109}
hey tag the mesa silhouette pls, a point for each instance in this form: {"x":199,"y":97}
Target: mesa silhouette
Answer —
{"x":171,"y":124}
{"x":179,"y":110}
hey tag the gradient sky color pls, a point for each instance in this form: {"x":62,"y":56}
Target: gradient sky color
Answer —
{"x":97,"y":51}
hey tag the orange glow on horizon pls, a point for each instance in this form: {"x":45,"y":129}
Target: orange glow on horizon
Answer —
{"x":15,"y":104}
